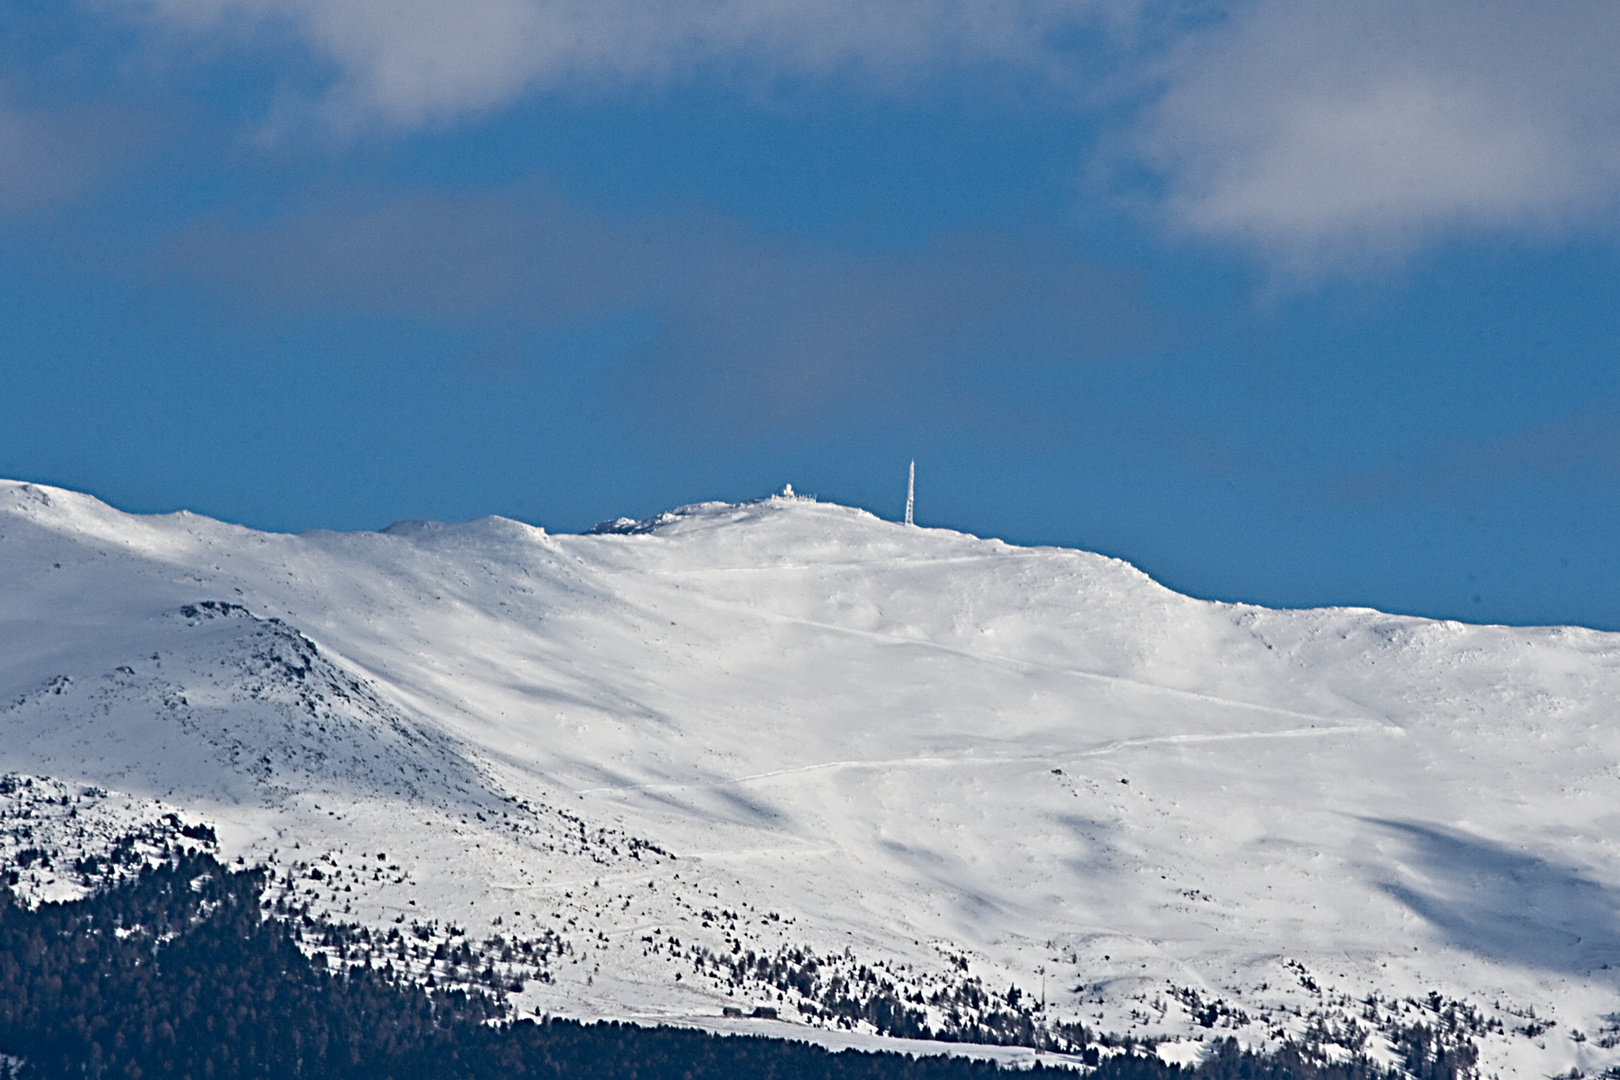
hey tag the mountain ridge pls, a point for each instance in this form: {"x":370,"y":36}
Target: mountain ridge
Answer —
{"x":948,"y":759}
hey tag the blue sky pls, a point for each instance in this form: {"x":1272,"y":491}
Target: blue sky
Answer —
{"x":1292,"y":303}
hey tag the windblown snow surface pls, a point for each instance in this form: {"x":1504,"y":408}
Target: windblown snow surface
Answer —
{"x":896,"y":763}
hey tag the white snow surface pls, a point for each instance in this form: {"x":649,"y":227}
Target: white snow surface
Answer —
{"x":786,"y":724}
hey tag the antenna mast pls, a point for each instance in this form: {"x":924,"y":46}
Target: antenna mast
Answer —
{"x":911,"y":490}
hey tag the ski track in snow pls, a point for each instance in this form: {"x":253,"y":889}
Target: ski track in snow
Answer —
{"x":789,"y":727}
{"x":1100,"y":751}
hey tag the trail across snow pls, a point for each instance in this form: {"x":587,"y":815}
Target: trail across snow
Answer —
{"x":787,"y":725}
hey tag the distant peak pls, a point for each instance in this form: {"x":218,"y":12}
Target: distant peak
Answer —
{"x":622,"y":526}
{"x":626,"y":526}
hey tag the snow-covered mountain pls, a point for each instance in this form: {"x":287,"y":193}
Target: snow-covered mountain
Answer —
{"x":784,"y":753}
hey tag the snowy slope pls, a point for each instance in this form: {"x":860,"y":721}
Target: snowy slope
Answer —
{"x":793,"y":729}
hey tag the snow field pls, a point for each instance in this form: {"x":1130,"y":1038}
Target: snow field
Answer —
{"x":908,"y":752}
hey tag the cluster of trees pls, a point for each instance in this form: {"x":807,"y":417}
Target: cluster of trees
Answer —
{"x":846,"y":994}
{"x":178,"y":972}
{"x":175,"y":973}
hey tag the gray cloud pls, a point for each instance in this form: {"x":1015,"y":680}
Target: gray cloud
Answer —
{"x":521,"y":256}
{"x":47,"y":158}
{"x":744,"y":328}
{"x":1584,"y":438}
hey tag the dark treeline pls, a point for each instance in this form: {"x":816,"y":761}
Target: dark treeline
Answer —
{"x":177,"y":973}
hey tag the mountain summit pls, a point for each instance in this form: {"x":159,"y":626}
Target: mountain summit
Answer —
{"x":786,"y":756}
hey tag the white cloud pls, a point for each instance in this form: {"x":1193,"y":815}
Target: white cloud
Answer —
{"x":410,"y":62}
{"x":1325,"y":132}
{"x":1314,"y":132}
